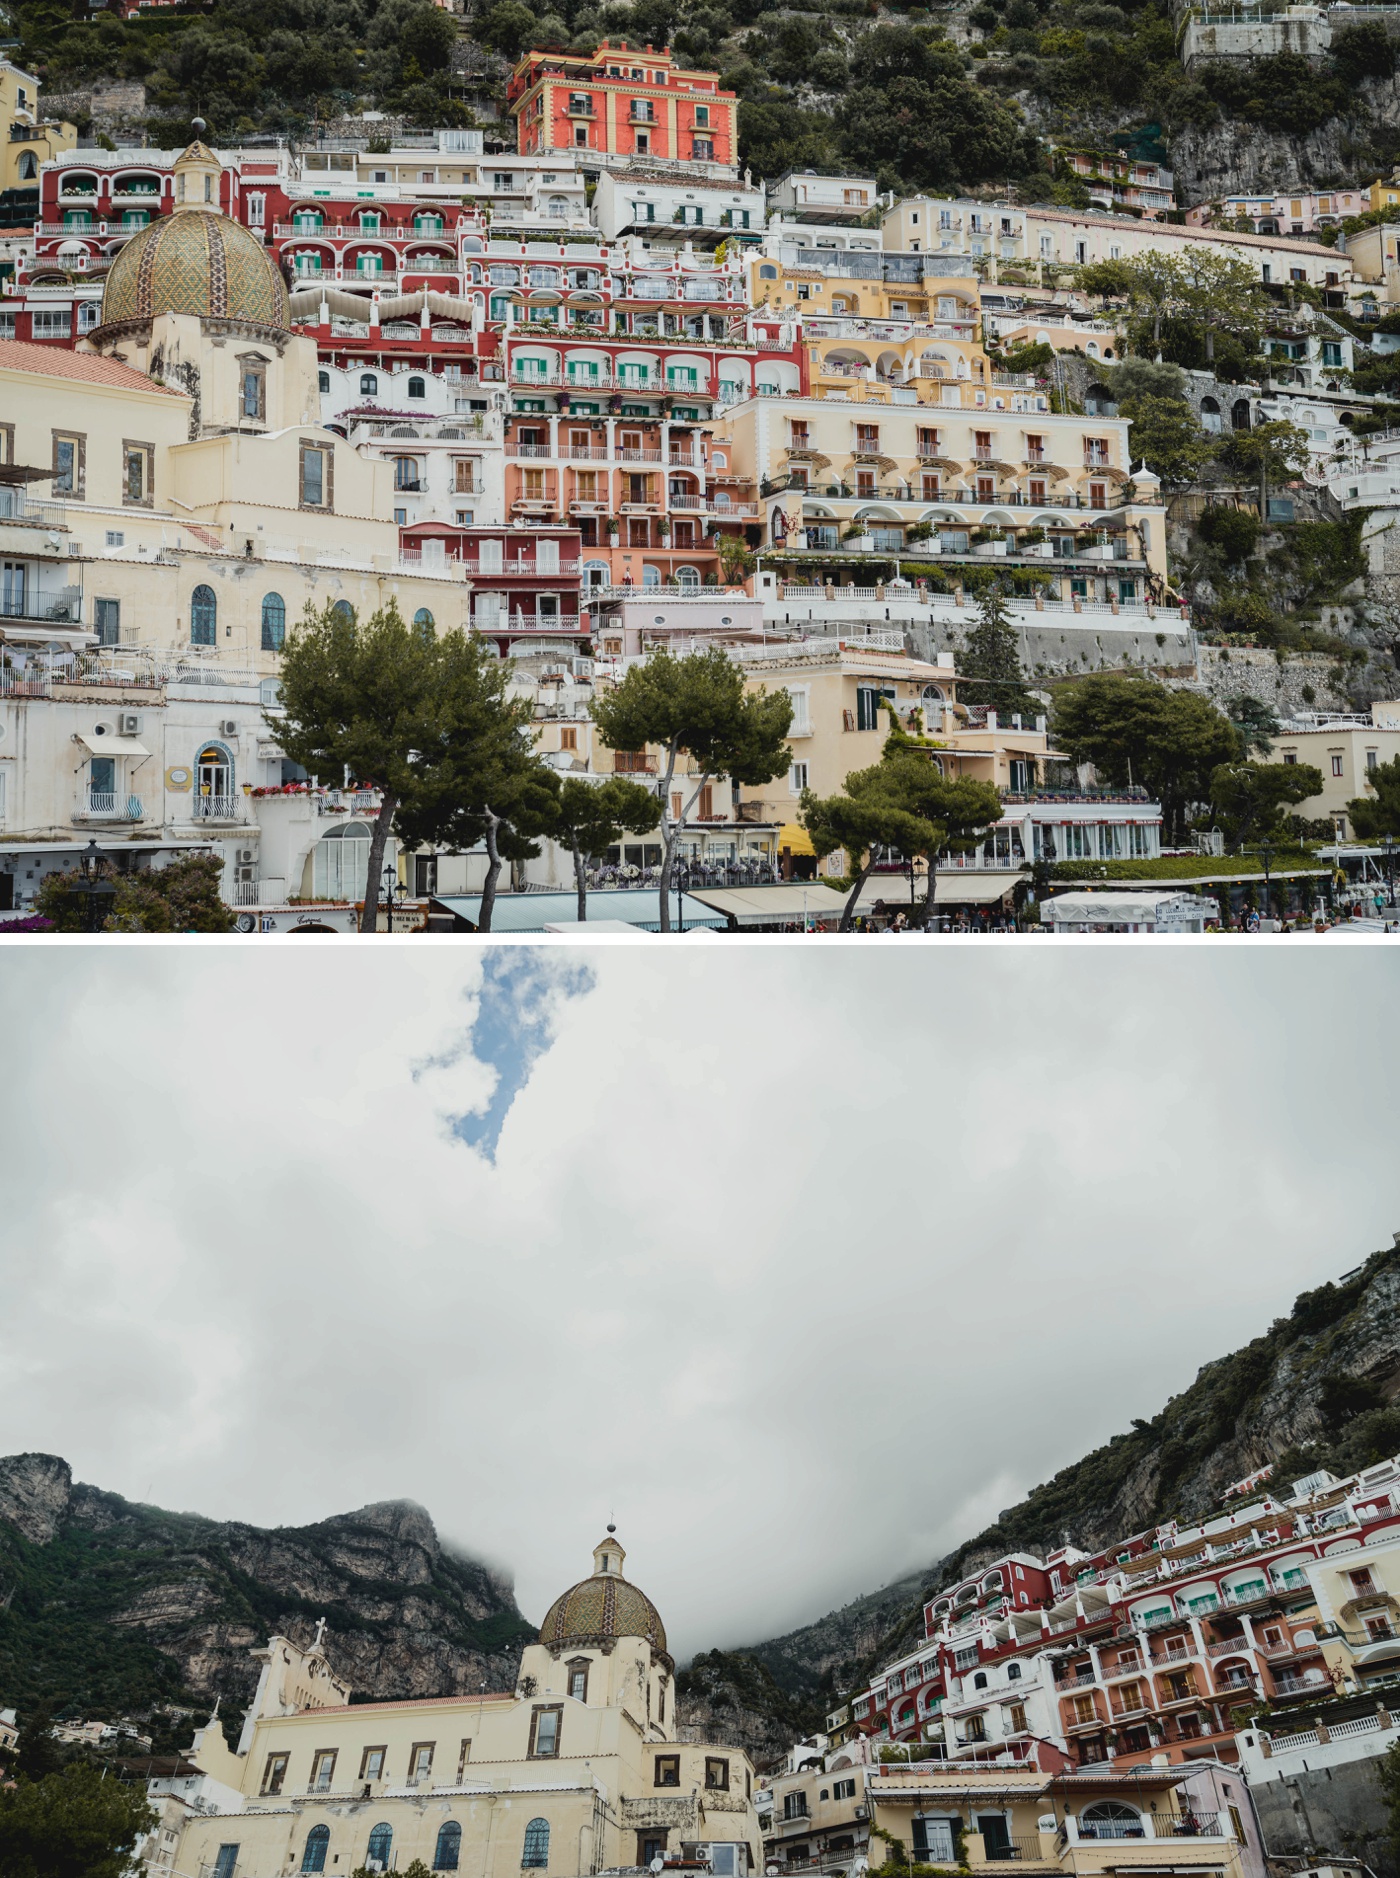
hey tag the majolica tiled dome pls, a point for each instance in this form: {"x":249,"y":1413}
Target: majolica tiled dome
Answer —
{"x":596,"y":1612}
{"x":194,"y":261}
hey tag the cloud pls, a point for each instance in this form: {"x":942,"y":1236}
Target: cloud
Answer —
{"x":797,"y":1261}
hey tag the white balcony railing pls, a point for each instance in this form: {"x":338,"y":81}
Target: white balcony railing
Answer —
{"x":218,"y":808}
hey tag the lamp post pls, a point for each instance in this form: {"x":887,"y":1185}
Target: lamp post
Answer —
{"x":97,"y":894}
{"x":681,"y":870}
{"x":1388,"y":849}
{"x":388,"y":886}
{"x":1265,"y":852}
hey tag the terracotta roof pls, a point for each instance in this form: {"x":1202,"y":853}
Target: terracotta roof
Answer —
{"x":88,"y":368}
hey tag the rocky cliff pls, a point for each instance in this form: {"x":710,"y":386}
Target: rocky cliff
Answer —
{"x":1315,"y":1390}
{"x":112,"y":1608}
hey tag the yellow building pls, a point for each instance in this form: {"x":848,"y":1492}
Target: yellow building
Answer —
{"x":578,"y":1770}
{"x":985,"y":476}
{"x":29,"y":141}
{"x":1083,"y":1822}
{"x":1383,"y":194}
{"x":170,"y":482}
{"x":1347,"y":750}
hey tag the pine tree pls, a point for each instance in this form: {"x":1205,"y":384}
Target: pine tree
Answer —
{"x":989,"y":665}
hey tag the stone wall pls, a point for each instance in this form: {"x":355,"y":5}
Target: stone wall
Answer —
{"x":116,"y":105}
{"x":1225,"y":672}
{"x":1059,"y":649}
{"x":1327,"y":1810}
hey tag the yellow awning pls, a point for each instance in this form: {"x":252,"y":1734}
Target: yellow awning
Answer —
{"x":794,"y":837}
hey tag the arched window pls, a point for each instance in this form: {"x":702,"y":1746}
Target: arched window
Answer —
{"x":323,"y":381}
{"x":339,"y":871}
{"x":343,"y":610}
{"x":767,"y":273}
{"x":449,"y":1847}
{"x":687,"y":576}
{"x":651,"y":576}
{"x":979,"y":1681}
{"x":1013,"y":1672}
{"x":416,"y":388}
{"x":406,"y":472}
{"x":381,"y":1841}
{"x":535,"y":1855}
{"x":1110,"y":1819}
{"x":204,"y":617}
{"x":274,"y":622}
{"x":423,"y":623}
{"x":213,"y":784}
{"x":500,"y":306}
{"x":369,"y":384}
{"x":314,"y":1857}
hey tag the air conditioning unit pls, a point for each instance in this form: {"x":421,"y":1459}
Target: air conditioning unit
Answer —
{"x":244,"y":873}
{"x":245,"y":856}
{"x":128,"y":723}
{"x":228,"y":727}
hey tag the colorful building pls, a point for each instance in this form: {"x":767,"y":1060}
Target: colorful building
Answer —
{"x":619,"y":102}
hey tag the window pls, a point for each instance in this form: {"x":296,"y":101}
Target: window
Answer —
{"x":1016,"y":1718}
{"x":381,"y":1840}
{"x":204,"y":631}
{"x":668,"y":1766}
{"x":843,"y":1790}
{"x":716,"y":1771}
{"x":933,"y":1840}
{"x":372,"y":1760}
{"x":323,"y":381}
{"x":274,"y":1773}
{"x":424,"y":624}
{"x":794,"y":1806}
{"x":369,"y":384}
{"x":448,"y":1852}
{"x":107,"y":617}
{"x":979,"y":1681}
{"x":274,"y":633}
{"x":406,"y":473}
{"x":465,"y":1752}
{"x":226,"y":1862}
{"x":69,"y":464}
{"x":138,"y":466}
{"x":252,"y":397}
{"x":316,"y":477}
{"x":534,"y":1855}
{"x":1336,"y":765}
{"x":420,"y":1760}
{"x":417,"y":388}
{"x":1084,"y":1710}
{"x":797,"y":778}
{"x":317,"y":1840}
{"x":544,"y":1733}
{"x":578,"y":1672}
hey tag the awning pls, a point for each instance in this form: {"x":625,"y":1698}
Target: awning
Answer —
{"x":972,"y":888}
{"x":764,"y":906}
{"x":794,"y":837}
{"x":532,"y":912}
{"x":114,"y":746}
{"x":46,"y":633}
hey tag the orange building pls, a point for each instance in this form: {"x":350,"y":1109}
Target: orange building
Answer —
{"x":622,"y":103}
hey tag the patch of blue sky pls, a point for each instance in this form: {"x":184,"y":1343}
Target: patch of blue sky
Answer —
{"x":522,"y":992}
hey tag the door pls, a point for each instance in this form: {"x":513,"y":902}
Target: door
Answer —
{"x":996,"y":1835}
{"x":102,"y":785}
{"x":14,"y":579}
{"x":213,"y":777}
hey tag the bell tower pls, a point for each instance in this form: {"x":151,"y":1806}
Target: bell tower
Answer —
{"x":197,"y":171}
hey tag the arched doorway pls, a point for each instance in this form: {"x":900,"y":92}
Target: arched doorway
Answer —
{"x":213,"y":781}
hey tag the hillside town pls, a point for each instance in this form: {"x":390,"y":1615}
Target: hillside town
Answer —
{"x":582,"y":390}
{"x":1211,"y":1697}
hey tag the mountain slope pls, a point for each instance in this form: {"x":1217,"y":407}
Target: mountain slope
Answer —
{"x":1314,"y":1390}
{"x":109,"y":1608}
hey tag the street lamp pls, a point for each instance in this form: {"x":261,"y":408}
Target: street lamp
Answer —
{"x":1388,"y":849}
{"x":1265,"y":852}
{"x":681,"y":870}
{"x":389,"y":885}
{"x":98,"y":894}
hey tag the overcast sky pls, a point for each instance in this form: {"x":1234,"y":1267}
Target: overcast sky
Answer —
{"x":799,"y":1262}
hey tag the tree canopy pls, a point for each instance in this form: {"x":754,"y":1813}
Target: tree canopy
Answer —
{"x":1378,"y":815}
{"x":697,"y":706}
{"x":71,"y":1824}
{"x":592,"y":816}
{"x":1134,"y":730}
{"x":1248,"y":799}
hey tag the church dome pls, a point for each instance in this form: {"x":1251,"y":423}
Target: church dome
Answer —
{"x":195,"y":260}
{"x":599,"y":1610}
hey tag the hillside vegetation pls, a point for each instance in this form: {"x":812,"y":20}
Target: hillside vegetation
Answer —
{"x":109,"y":1608}
{"x":1315,"y":1390}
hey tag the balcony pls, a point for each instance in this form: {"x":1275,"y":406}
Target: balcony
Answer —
{"x":1082,"y":1681}
{"x":532,"y":623}
{"x":100,"y":805}
{"x":1022,"y":1848}
{"x":19,"y":600}
{"x":217,"y":809}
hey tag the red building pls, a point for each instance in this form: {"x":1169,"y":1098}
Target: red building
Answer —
{"x":623,"y":103}
{"x":525,"y":581}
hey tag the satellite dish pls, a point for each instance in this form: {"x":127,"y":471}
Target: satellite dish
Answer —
{"x":658,"y":1865}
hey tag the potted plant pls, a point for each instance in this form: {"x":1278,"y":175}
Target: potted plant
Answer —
{"x":988,"y":541}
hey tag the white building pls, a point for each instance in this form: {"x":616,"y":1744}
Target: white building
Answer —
{"x":672,"y":209}
{"x":808,"y":197}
